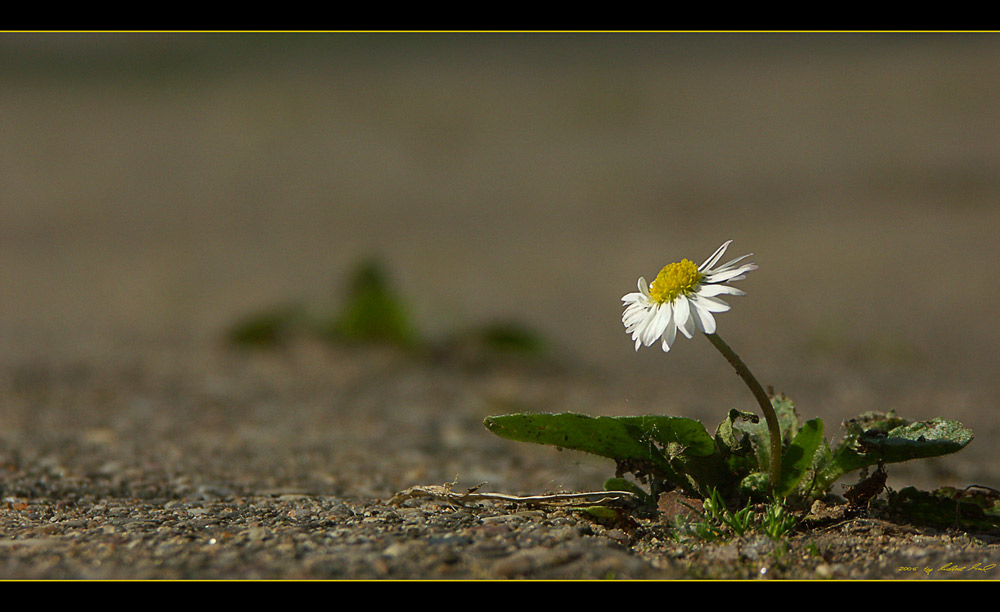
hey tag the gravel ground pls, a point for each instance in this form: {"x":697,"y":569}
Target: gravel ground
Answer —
{"x":283,"y":465}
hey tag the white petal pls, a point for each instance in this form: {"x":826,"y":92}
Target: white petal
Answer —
{"x":690,"y":328}
{"x":639,"y":328}
{"x":733,"y":262}
{"x":637,"y":338}
{"x":703,"y":318}
{"x":711,"y":261}
{"x":669,"y":335}
{"x":682,"y":316}
{"x":642,"y":303}
{"x":714,"y":290}
{"x":681,"y":310}
{"x":721,"y":277}
{"x":655,"y":327}
{"x":635,"y":316}
{"x":628,"y":317}
{"x":655,"y":323}
{"x":643,"y":287}
{"x":667,"y":318}
{"x":710,"y":304}
{"x":632,"y":297}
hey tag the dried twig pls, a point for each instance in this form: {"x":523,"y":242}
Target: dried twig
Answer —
{"x":444,"y":492}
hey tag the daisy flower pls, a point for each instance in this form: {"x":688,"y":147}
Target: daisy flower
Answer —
{"x":682,"y":297}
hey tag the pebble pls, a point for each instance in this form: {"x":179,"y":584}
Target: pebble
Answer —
{"x":827,"y":570}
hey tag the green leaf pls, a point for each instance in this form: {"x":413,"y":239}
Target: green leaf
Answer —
{"x":873,"y":421}
{"x":760,"y":436}
{"x":822,"y":464}
{"x":734,"y":445}
{"x":799,"y":457}
{"x":603,"y":436}
{"x":918,"y":440}
{"x":604,"y":515}
{"x":621,"y":484}
{"x":924,"y":439}
{"x":755,"y":486}
{"x":913,"y":441}
{"x":674,"y":450}
{"x":689,"y":448}
{"x":678,"y":435}
{"x":788,"y":418}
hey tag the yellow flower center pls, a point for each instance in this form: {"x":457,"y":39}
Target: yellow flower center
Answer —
{"x":675,"y":279}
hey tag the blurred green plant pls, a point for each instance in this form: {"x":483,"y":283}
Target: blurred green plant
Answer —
{"x":373,"y":312}
{"x":510,"y":337}
{"x":269,"y":328}
{"x":666,"y":452}
{"x":490,"y":343}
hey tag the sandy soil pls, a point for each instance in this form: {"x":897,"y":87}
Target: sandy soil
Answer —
{"x":155,"y":188}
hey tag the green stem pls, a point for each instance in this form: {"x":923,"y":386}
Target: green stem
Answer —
{"x":765,"y":405}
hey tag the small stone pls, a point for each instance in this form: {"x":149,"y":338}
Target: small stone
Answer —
{"x":827,"y":570}
{"x":397,"y":549}
{"x":617,"y":535}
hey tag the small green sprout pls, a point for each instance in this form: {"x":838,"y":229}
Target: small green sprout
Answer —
{"x":777,"y":520}
{"x":738,"y":522}
{"x":716,"y":520}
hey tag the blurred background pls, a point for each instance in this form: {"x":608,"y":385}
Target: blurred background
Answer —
{"x":156,"y":187}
